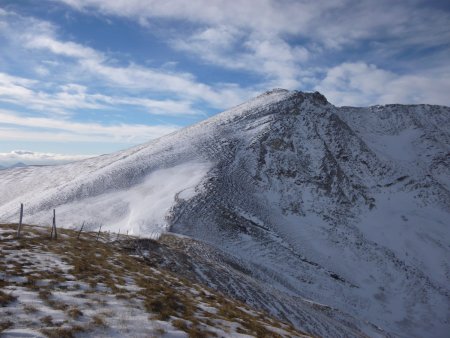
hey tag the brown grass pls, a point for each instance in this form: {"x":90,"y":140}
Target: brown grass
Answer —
{"x":6,"y":298}
{"x":29,"y":309}
{"x":44,"y":294}
{"x":47,"y":320}
{"x":98,"y":321}
{"x":197,"y":332}
{"x":180,"y":324}
{"x":63,"y":332}
{"x":165,"y":295}
{"x":75,"y":313}
{"x":5,"y":325}
{"x":168,"y":303}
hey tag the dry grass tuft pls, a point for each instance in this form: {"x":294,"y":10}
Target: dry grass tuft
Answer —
{"x":166,"y":305}
{"x":57,"y":305}
{"x":196,"y":332}
{"x":29,"y":309}
{"x":47,"y":320}
{"x":98,"y":321}
{"x":63,"y":332}
{"x":180,"y":324}
{"x":45,"y":295}
{"x":6,"y":298}
{"x":75,"y":313}
{"x":5,"y":325}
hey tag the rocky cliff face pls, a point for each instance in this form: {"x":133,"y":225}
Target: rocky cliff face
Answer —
{"x":346,"y":207}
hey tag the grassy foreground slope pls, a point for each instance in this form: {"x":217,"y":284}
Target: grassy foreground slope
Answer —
{"x":73,"y":287}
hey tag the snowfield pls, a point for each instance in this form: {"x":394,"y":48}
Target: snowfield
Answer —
{"x":314,"y":204}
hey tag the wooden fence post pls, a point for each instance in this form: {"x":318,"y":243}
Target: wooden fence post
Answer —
{"x":118,"y":234}
{"x":20,"y":220}
{"x":99,"y":232}
{"x":55,"y":235}
{"x":79,"y":232}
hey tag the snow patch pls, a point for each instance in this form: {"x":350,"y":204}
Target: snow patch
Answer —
{"x":140,"y":210}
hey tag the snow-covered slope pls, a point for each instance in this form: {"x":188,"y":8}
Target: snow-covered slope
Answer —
{"x":347,"y":207}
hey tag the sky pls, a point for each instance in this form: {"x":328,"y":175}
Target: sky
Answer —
{"x":80,"y":78}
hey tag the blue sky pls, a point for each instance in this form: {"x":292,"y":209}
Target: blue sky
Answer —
{"x":86,"y":77}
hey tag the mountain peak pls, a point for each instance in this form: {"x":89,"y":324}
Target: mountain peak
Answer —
{"x":275,"y":91}
{"x":280,"y":94}
{"x":317,"y":96}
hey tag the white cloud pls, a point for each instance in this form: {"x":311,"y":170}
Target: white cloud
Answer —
{"x":261,"y":15}
{"x":137,"y":77}
{"x":12,"y":80}
{"x":155,"y":107}
{"x":24,"y":92}
{"x":331,"y":24}
{"x":269,"y":56}
{"x":94,"y":67}
{"x":37,"y":158}
{"x":25,"y":128}
{"x":246,"y":36}
{"x":363,"y":84}
{"x":181,"y":84}
{"x":255,"y":36}
{"x":66,"y":48}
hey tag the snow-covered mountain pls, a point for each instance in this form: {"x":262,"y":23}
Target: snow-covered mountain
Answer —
{"x":306,"y":202}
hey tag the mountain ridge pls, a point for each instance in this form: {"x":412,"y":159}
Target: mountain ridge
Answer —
{"x":344,"y":206}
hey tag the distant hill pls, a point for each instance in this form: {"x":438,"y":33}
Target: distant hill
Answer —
{"x":19,"y":165}
{"x":15,"y":165}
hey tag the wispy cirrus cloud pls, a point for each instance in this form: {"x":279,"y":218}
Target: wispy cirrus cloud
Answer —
{"x":70,"y":96}
{"x":271,"y":57}
{"x":247,"y":36}
{"x":26,"y":92}
{"x":58,"y":94}
{"x":182,"y":87}
{"x":52,"y":129}
{"x":362,"y":84}
{"x":98,"y":65}
{"x":66,"y":48}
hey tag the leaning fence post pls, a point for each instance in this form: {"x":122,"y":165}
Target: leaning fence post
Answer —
{"x":20,"y":220}
{"x":99,"y":232}
{"x":54,"y":224}
{"x":79,"y":232}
